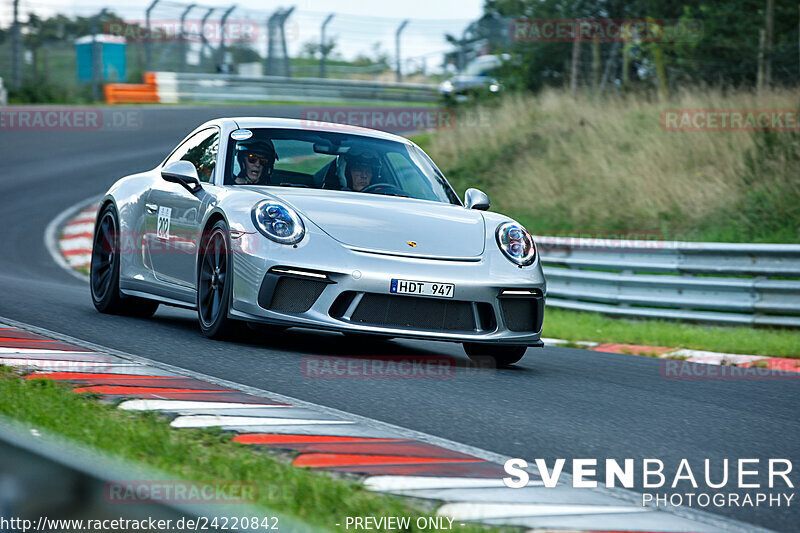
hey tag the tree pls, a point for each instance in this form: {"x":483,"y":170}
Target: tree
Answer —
{"x":379,"y":57}
{"x":311,"y":49}
{"x":719,"y":44}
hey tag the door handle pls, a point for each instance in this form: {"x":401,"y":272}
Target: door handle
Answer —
{"x":151,"y":208}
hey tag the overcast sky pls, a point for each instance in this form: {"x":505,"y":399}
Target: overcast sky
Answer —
{"x":358,"y":24}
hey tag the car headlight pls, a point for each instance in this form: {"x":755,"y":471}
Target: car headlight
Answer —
{"x":516,"y":243}
{"x":278,"y":222}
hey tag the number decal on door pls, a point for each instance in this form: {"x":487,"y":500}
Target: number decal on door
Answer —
{"x":164,"y":214}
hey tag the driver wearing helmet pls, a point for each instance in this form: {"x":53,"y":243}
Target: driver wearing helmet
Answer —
{"x":256,"y":160}
{"x":361,"y":169}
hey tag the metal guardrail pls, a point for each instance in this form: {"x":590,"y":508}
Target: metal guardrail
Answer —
{"x":44,"y":476}
{"x":705,"y":282}
{"x":177,"y":87}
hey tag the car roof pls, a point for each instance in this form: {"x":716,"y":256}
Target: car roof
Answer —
{"x":314,"y":125}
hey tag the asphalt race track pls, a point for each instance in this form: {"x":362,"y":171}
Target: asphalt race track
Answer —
{"x":558,"y":402}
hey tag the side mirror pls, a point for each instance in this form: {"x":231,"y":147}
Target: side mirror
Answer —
{"x":182,"y":173}
{"x":476,"y":199}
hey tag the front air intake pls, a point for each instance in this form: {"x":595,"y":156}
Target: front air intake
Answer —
{"x":522,"y":313}
{"x":291,"y":291}
{"x":414,"y":312}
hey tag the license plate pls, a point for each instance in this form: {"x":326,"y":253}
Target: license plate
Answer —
{"x":422,"y":288}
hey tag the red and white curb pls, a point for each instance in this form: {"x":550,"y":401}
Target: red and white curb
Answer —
{"x":466,"y":483}
{"x":75,"y":239}
{"x":784,"y":364}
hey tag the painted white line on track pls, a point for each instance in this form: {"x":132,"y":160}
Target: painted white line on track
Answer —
{"x":484,"y":511}
{"x":204,"y":421}
{"x":88,"y":218}
{"x":78,"y":243}
{"x":38,"y":351}
{"x":186,"y":405}
{"x":394,"y":483}
{"x":62,"y":365}
{"x":76,"y":229}
{"x":714,"y":358}
{"x":79,"y":260}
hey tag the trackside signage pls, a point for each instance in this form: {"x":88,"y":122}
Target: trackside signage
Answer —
{"x":710,"y":483}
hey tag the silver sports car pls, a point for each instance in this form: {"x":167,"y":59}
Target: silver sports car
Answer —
{"x":293,"y":223}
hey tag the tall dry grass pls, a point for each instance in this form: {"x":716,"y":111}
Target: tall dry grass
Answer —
{"x":561,"y":163}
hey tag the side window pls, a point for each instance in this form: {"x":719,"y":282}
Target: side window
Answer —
{"x":201,"y":150}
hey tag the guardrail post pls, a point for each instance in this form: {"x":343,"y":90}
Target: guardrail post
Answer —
{"x":97,"y":57}
{"x":221,"y":48}
{"x":323,"y":48}
{"x":397,"y":48}
{"x":286,"y":67}
{"x":272,"y":23}
{"x":203,"y":36}
{"x":16,"y":68}
{"x":182,"y":62}
{"x":148,"y":53}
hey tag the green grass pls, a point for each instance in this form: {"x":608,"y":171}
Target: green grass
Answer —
{"x":316,"y":497}
{"x":579,"y":326}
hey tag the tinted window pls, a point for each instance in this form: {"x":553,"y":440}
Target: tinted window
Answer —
{"x":201,"y":150}
{"x":338,"y":161}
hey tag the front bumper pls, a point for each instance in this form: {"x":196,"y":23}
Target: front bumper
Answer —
{"x":324,"y":285}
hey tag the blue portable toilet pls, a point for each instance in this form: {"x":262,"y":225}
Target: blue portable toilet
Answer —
{"x":112,"y":57}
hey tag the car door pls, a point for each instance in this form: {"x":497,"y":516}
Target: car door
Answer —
{"x":173,"y":213}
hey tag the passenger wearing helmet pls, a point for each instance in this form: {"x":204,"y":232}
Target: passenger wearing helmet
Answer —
{"x":361,"y":169}
{"x":256,"y":160}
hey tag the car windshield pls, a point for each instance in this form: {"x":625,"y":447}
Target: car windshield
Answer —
{"x":482,"y":67}
{"x":336,"y":161}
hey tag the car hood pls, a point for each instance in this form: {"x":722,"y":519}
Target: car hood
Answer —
{"x":388,"y":224}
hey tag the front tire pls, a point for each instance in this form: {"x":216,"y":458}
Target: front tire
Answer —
{"x":214,"y":281}
{"x":104,"y":271}
{"x":497,"y":354}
